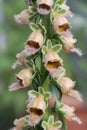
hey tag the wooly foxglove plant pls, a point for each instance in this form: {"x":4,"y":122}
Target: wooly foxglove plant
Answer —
{"x":43,"y":67}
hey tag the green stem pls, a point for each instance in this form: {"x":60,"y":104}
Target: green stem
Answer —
{"x":64,"y":124}
{"x":47,"y":24}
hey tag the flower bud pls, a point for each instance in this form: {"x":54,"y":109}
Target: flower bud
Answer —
{"x":68,"y":40}
{"x":44,"y":6}
{"x":23,"y":17}
{"x":21,"y":60}
{"x":68,"y":112}
{"x":34,"y":42}
{"x":24,"y":77}
{"x":19,"y":123}
{"x":37,"y":109}
{"x":52,"y":60}
{"x":60,"y":24}
{"x":66,"y":84}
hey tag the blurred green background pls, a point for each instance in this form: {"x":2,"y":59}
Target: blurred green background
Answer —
{"x":12,"y":38}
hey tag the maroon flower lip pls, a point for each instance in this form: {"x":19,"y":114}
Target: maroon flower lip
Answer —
{"x":34,"y":44}
{"x":36,"y":111}
{"x":54,"y":64}
{"x":63,"y":27}
{"x":44,"y":6}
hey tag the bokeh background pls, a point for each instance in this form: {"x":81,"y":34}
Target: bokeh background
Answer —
{"x":12,"y":38}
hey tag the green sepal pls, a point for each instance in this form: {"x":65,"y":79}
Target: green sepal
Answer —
{"x":44,"y":124}
{"x":49,"y":44}
{"x":27,"y":118}
{"x":47,"y":95}
{"x":57,"y":124}
{"x":44,"y":50}
{"x":62,"y":11}
{"x":38,"y":63}
{"x":33,"y":26}
{"x":33,"y":93}
{"x":41,"y":90}
{"x":32,"y":9}
{"x":57,"y":48}
{"x":51,"y":120}
{"x":60,"y":2}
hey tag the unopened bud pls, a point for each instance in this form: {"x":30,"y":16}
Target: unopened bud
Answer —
{"x":66,"y":84}
{"x":23,"y":17}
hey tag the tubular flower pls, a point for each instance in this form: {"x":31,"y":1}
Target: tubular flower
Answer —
{"x":21,"y":60}
{"x":19,"y":123}
{"x":34,"y":42}
{"x":23,"y":17}
{"x":66,"y":84}
{"x":24,"y":77}
{"x":75,"y":94}
{"x":37,"y":109}
{"x":60,"y":24}
{"x":52,"y":60}
{"x":68,"y":113}
{"x":69,"y":41}
{"x":44,"y":6}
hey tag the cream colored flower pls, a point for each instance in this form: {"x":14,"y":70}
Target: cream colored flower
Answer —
{"x":24,"y":77}
{"x":66,"y":84}
{"x":69,"y":42}
{"x":60,"y":23}
{"x":67,"y":111}
{"x":37,"y":109}
{"x":34,"y":42}
{"x":52,"y":60}
{"x":19,"y":123}
{"x":44,"y":6}
{"x":75,"y":94}
{"x":21,"y":60}
{"x":23,"y":17}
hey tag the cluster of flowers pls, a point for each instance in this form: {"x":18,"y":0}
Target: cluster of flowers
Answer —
{"x":43,"y":67}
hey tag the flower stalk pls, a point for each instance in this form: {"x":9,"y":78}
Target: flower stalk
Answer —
{"x":43,"y":68}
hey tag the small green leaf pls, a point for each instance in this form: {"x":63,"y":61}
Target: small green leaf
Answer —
{"x":38,"y":62}
{"x":60,"y":2}
{"x":57,"y":124}
{"x":44,"y":124}
{"x":62,"y":11}
{"x":33,"y":93}
{"x":57,"y":48}
{"x":62,"y":71}
{"x":41,"y":90}
{"x":49,"y":44}
{"x":55,"y":9}
{"x":33,"y":26}
{"x":51,"y":120}
{"x":44,"y":50}
{"x":32,"y":9}
{"x":47,"y":95}
{"x":27,"y":118}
